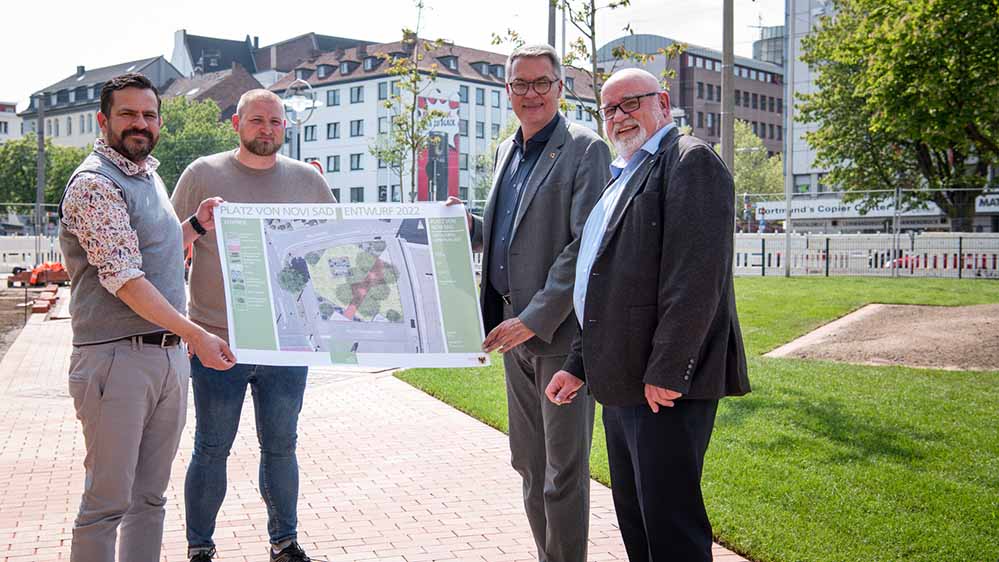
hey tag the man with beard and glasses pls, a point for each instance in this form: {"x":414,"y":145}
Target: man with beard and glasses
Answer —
{"x":124,"y":249}
{"x":660,"y":341}
{"x":252,"y":173}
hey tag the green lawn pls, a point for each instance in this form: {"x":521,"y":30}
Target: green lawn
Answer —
{"x":826,"y":461}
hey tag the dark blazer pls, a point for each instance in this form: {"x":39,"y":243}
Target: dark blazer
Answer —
{"x":660,"y":305}
{"x":558,"y":196}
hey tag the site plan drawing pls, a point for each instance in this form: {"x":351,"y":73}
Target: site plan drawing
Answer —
{"x":379,"y":285}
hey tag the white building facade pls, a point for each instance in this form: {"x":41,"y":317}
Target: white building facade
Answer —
{"x":10,"y":123}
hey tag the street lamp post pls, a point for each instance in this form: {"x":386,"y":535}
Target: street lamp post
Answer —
{"x":299,"y":104}
{"x":40,"y":179}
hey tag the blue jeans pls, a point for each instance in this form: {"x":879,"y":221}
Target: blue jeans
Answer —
{"x":218,"y":401}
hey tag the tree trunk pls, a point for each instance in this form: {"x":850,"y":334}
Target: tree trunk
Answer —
{"x":962,"y":210}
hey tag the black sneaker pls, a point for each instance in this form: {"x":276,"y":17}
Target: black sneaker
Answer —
{"x":204,"y":556}
{"x":291,"y":553}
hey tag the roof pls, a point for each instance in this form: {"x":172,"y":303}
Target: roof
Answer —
{"x":227,"y":50}
{"x":295,"y":50}
{"x":466,"y":58}
{"x":97,"y":75}
{"x":223,"y":87}
{"x":650,"y":44}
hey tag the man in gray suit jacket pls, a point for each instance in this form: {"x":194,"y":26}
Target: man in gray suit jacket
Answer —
{"x":547,"y":177}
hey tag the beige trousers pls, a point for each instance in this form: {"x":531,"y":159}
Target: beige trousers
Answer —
{"x":131,"y":399}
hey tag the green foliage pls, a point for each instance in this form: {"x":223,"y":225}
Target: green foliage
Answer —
{"x":313,"y":258}
{"x":326,"y":310}
{"x":363,"y":263}
{"x":378,"y":292}
{"x":485,"y":163}
{"x":18,"y":169}
{"x":389,"y":273}
{"x":393,"y":316}
{"x":291,"y":280}
{"x":344,"y":293}
{"x":755,"y":172}
{"x":190,"y":130}
{"x":369,"y":308}
{"x":908,"y":98}
{"x":870,"y":463}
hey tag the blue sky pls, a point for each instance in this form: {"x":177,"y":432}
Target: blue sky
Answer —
{"x":44,"y":42}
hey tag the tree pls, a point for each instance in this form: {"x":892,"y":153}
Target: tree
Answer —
{"x":907,"y":99}
{"x":755,"y":172}
{"x":190,"y":130}
{"x":292,"y":280}
{"x":410,"y":126}
{"x":485,"y":163}
{"x":18,"y":168}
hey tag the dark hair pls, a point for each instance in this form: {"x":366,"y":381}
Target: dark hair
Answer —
{"x":120,"y":82}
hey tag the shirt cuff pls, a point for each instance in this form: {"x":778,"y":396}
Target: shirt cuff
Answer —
{"x":115,"y":281}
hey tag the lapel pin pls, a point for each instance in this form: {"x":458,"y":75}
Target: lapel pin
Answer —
{"x":551,"y":155}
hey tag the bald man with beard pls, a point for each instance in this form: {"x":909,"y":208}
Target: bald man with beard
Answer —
{"x":660,"y":342}
{"x":252,"y":173}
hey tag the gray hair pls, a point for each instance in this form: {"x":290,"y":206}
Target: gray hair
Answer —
{"x":256,"y":95}
{"x":531,"y":51}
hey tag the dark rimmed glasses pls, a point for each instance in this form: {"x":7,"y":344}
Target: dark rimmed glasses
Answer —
{"x":628,"y":105}
{"x":542,"y":86}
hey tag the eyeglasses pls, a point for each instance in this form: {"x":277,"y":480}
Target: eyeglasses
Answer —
{"x":542,"y":86}
{"x":629,"y":105}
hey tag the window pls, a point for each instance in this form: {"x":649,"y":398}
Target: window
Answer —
{"x":463,"y":193}
{"x":336,"y":194}
{"x":738,"y":98}
{"x":3,"y":128}
{"x":369,"y":63}
{"x":344,"y":67}
{"x":570,"y":82}
{"x":322,"y":70}
{"x":82,"y":124}
{"x":357,"y":94}
{"x":396,"y":193}
{"x":382,"y":193}
{"x":394,"y":86}
{"x":463,"y":94}
{"x":382,"y":125}
{"x":381,"y":164}
{"x":496,"y":98}
{"x":462,"y":161}
{"x":690,"y":61}
{"x":802,"y":183}
{"x":780,"y":105}
{"x":579,"y":112}
{"x":752,"y":74}
{"x":770,"y":128}
{"x":90,"y":122}
{"x":711,"y":121}
{"x":463,"y":127}
{"x":700,"y":120}
{"x":69,"y":125}
{"x":480,"y":130}
{"x":357,"y":128}
{"x":308,"y":160}
{"x":332,"y":97}
{"x":383,"y":90}
{"x":755,"y":101}
{"x":711,"y":92}
{"x":357,"y":195}
{"x":780,"y":132}
{"x":480,"y":96}
{"x":495,"y":130}
{"x":589,"y":117}
{"x":355,"y":161}
{"x":699,"y":61}
{"x":310,"y":133}
{"x":333,"y":130}
{"x":700,"y":90}
{"x":48,"y":127}
{"x":333,"y":163}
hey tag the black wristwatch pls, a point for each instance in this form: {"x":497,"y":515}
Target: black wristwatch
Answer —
{"x":196,"y":225}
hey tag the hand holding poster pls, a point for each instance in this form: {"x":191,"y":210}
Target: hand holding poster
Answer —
{"x":380,"y":285}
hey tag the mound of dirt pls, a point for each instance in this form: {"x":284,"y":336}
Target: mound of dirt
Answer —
{"x":961,"y":338}
{"x":12,"y":317}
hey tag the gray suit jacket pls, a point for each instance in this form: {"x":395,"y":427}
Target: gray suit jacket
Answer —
{"x":564,"y":185}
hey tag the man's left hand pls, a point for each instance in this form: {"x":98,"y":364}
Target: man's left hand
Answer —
{"x":206,"y":212}
{"x":658,"y":396}
{"x":508,"y":335}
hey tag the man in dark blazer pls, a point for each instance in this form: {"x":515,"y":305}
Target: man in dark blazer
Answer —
{"x":660,"y":341}
{"x":546,"y":179}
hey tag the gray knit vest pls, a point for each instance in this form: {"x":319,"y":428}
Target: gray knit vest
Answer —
{"x":99,"y":316}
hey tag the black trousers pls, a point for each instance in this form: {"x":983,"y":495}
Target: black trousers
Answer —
{"x":655,"y":466}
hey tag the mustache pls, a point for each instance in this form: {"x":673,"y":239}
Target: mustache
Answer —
{"x":141,"y":133}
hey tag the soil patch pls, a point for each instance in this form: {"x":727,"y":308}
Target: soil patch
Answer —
{"x":960,"y":338}
{"x":12,"y":317}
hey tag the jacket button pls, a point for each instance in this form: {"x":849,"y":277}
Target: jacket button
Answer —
{"x":686,"y":378}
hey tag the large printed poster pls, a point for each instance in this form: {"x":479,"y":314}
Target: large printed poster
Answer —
{"x":380,"y":285}
{"x":437,"y":165}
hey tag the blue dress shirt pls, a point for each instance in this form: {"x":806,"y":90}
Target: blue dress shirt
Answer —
{"x":599,"y":219}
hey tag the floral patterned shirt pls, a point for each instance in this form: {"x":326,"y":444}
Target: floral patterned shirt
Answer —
{"x":94,"y":210}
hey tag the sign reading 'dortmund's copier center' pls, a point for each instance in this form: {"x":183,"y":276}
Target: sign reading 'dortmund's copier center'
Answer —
{"x":381,"y":285}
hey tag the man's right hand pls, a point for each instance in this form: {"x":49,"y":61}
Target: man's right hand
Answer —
{"x":452,"y":200}
{"x":212,"y":351}
{"x":563,"y":388}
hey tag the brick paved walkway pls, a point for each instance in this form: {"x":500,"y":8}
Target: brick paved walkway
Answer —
{"x":388,"y":473}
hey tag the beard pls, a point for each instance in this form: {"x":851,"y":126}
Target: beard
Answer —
{"x":127,"y":146}
{"x":262,"y":147}
{"x":633,"y":142}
